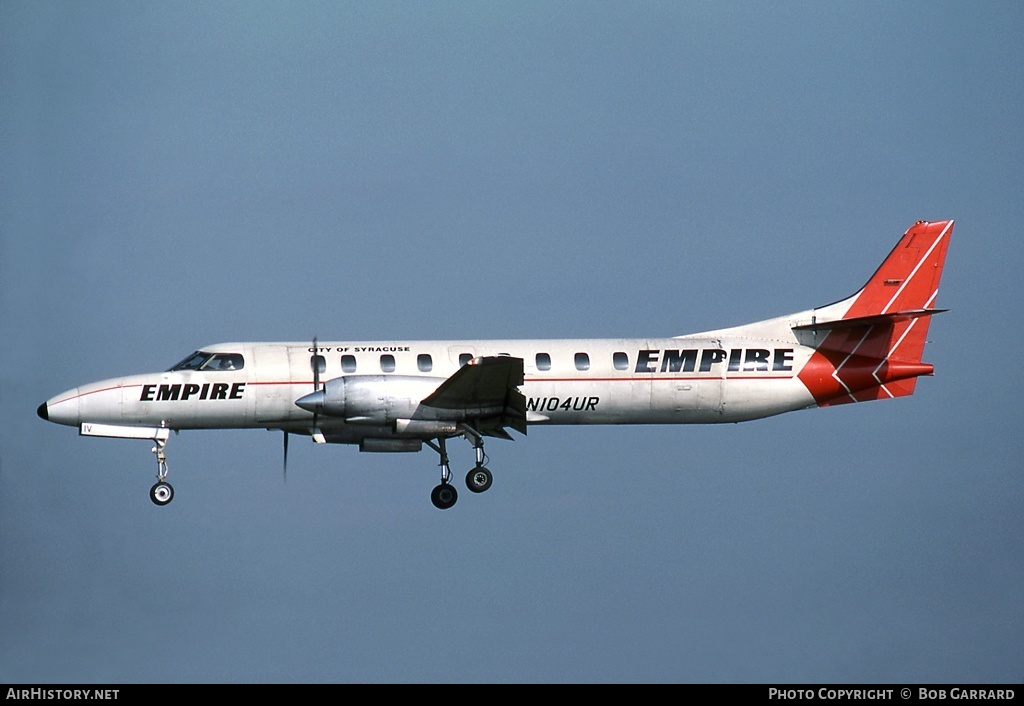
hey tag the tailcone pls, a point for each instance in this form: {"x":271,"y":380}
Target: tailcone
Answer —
{"x":895,"y":370}
{"x":832,"y":378}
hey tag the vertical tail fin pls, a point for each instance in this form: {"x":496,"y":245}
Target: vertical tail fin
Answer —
{"x":869,"y":346}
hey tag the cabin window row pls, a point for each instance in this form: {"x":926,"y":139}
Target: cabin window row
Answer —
{"x":620,"y":361}
{"x":425,"y":364}
{"x":387,"y":363}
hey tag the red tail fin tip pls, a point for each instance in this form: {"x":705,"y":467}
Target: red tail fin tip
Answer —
{"x":874,"y":351}
{"x":909,"y":277}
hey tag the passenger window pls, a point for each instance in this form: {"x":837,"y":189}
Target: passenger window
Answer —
{"x":387,"y":363}
{"x":465,"y":358}
{"x":582,"y":361}
{"x":317,"y":363}
{"x":348,"y":363}
{"x":620,"y":361}
{"x":543,"y":361}
{"x":424,"y":362}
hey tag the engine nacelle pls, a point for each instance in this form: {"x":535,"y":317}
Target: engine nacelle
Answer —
{"x":370,"y":399}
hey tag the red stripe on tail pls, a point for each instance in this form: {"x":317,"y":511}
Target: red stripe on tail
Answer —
{"x":880,"y":357}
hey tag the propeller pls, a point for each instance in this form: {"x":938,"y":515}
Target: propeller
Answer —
{"x":314,"y":363}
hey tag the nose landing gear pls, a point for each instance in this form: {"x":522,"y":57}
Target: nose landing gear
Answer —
{"x":162,"y":492}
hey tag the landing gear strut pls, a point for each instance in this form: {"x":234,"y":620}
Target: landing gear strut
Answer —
{"x":444,"y":495}
{"x":478,"y":479}
{"x":161,"y":493}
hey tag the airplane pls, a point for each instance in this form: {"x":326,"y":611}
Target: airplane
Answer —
{"x":397,"y":396}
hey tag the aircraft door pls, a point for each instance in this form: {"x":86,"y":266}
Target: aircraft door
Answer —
{"x":641,"y":389}
{"x":690,"y":386}
{"x":276,"y":390}
{"x":700,"y":400}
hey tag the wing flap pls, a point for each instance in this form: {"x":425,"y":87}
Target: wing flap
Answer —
{"x":486,"y":389}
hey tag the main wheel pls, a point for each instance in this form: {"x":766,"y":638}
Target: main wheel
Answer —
{"x":161,"y":493}
{"x":444,"y":496}
{"x":479,"y":479}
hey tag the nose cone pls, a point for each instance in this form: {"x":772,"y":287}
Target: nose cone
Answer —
{"x":63,"y":409}
{"x":313,"y":402}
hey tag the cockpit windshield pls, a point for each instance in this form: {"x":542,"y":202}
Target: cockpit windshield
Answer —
{"x":201,"y":360}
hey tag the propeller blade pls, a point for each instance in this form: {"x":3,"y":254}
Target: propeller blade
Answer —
{"x":315,"y":364}
{"x":285,"y":456}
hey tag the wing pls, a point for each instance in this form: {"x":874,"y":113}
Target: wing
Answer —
{"x":486,"y":390}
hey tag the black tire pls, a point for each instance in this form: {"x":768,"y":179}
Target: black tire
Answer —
{"x":444,"y":496}
{"x":161,"y":493}
{"x":479,"y":479}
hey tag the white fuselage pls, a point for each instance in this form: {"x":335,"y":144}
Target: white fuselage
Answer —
{"x":691,"y":379}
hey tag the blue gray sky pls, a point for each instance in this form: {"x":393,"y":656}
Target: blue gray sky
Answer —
{"x":177,"y":174}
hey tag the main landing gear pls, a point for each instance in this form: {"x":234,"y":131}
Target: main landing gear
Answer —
{"x":161,"y":493}
{"x":478,"y":479}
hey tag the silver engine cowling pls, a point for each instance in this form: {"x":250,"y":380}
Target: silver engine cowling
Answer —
{"x":370,"y":399}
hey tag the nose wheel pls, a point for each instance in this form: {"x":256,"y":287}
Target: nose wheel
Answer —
{"x":162,"y":492}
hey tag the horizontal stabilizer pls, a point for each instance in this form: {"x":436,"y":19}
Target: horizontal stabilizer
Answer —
{"x":874,"y":320}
